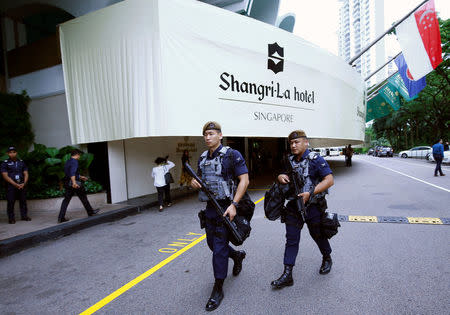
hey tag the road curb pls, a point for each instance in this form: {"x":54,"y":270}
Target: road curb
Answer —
{"x":17,"y":243}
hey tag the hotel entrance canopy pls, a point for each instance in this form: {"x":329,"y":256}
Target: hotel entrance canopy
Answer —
{"x":145,"y":68}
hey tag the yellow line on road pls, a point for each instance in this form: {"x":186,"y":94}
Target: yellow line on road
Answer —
{"x":143,"y":276}
{"x":94,"y":308}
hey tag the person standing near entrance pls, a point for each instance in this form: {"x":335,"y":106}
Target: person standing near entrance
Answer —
{"x":348,"y":155}
{"x":162,"y":187}
{"x":73,"y":186}
{"x":15,"y":174}
{"x":438,"y":155}
{"x":312,"y":165}
{"x":221,"y":167}
{"x":185,"y":179}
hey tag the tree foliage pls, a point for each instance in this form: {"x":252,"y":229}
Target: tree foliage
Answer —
{"x":15,"y":124}
{"x":423,"y":120}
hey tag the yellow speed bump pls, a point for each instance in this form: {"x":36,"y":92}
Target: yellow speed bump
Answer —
{"x":363,"y":218}
{"x":422,"y":220}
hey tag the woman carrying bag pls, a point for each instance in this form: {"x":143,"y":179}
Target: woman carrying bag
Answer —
{"x":162,"y":180}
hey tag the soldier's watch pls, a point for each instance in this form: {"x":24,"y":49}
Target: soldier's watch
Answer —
{"x":234,"y":203}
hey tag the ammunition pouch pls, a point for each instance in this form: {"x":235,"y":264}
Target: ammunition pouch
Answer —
{"x":286,"y":217}
{"x":243,"y":228}
{"x":202,"y":218}
{"x":320,"y":202}
{"x":329,"y":224}
{"x":246,"y":207}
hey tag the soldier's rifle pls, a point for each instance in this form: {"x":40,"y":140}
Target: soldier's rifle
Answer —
{"x":236,"y":236}
{"x":298,"y":182}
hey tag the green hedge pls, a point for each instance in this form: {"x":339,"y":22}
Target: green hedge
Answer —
{"x":46,"y":170}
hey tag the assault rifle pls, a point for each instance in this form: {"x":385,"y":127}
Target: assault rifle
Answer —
{"x":298,"y":182}
{"x":239,"y":228}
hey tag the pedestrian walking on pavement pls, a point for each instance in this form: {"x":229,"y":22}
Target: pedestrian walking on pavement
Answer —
{"x":308,"y":164}
{"x":348,"y":155}
{"x":160,"y":181}
{"x":438,"y":155}
{"x":15,"y":173}
{"x":73,"y":185}
{"x":220,"y":167}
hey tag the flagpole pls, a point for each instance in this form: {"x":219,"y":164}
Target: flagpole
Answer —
{"x":375,"y":72}
{"x":381,"y":36}
{"x":383,"y":83}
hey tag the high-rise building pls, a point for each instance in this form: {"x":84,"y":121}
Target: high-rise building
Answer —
{"x":360,"y":22}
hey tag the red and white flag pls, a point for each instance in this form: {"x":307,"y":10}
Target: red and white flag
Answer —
{"x":420,"y":40}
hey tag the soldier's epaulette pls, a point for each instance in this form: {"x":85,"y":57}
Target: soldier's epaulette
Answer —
{"x":313,"y":155}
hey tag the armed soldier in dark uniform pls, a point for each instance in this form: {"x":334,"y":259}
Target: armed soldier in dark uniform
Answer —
{"x":219,"y":167}
{"x":15,"y":173}
{"x":308,"y":207}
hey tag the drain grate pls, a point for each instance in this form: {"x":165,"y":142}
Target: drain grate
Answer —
{"x":393,"y":220}
{"x":445,"y":221}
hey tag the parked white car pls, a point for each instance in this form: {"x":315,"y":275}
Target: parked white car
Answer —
{"x":321,"y":151}
{"x":334,"y":152}
{"x":416,"y":152}
{"x":445,"y":160}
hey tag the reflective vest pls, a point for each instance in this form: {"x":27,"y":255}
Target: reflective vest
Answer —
{"x":212,"y":177}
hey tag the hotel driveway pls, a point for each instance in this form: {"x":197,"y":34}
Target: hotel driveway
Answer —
{"x":379,"y":268}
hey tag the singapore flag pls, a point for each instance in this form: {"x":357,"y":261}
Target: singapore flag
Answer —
{"x":420,"y":40}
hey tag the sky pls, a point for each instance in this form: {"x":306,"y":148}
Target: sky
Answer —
{"x":318,"y":21}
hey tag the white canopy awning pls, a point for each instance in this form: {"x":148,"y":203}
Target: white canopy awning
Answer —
{"x":145,"y":68}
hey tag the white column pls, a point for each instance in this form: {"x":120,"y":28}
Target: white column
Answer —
{"x":117,"y":171}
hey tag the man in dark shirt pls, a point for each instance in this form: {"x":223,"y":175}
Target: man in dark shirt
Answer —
{"x":438,"y":155}
{"x":73,"y":185}
{"x":15,"y":173}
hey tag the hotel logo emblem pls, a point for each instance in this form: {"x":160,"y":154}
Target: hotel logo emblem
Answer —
{"x":275,"y":61}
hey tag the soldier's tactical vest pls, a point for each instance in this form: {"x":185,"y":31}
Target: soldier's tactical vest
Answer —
{"x":302,"y":167}
{"x":212,"y":176}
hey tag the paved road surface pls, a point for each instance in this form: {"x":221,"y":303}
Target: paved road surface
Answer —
{"x":379,"y":268}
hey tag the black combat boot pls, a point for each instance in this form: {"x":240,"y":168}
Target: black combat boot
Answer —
{"x":285,"y":280}
{"x":216,"y":296}
{"x":326,"y":265}
{"x":238,"y":257}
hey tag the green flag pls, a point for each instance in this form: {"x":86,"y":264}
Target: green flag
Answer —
{"x":397,"y":81}
{"x":377,"y":107}
{"x":391,"y":95}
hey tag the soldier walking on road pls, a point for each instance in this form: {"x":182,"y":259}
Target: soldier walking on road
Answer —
{"x":310,"y":165}
{"x":15,"y":173}
{"x":220,"y":167}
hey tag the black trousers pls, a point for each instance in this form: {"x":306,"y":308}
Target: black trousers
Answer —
{"x":12,"y":194}
{"x":294,"y":227}
{"x":81,"y":193}
{"x":348,"y":161}
{"x":438,"y":160}
{"x":164,"y":190}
